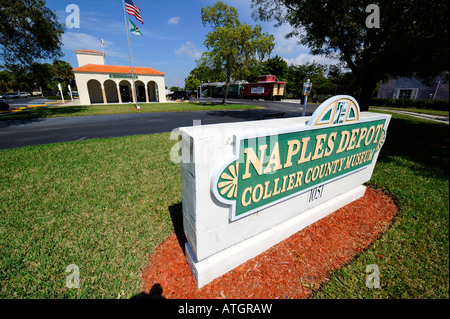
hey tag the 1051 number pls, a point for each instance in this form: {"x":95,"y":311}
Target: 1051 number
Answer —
{"x":315,"y":193}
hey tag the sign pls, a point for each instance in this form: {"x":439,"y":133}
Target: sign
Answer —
{"x":257,"y":90}
{"x":307,"y":88}
{"x":61,"y":92}
{"x":271,"y":169}
{"x":70,"y":91}
{"x":121,"y":76}
{"x":248,"y":185}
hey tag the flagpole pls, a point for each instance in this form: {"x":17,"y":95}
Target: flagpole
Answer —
{"x":127,"y":27}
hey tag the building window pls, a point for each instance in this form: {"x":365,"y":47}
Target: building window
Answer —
{"x":405,"y":94}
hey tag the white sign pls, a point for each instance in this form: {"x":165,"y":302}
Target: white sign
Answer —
{"x":247,"y":186}
{"x":70,"y":91}
{"x":257,"y":90}
{"x":61,"y":92}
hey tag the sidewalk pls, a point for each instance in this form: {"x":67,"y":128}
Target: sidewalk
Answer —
{"x":69,"y":102}
{"x":291,"y":101}
{"x":431,"y":117}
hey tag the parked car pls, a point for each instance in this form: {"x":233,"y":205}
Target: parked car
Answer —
{"x":75,"y":94}
{"x":183,"y":95}
{"x":24,"y":94}
{"x":4,"y":106}
{"x":11,"y":96}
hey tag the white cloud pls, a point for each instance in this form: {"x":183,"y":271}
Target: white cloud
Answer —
{"x":285,"y":48}
{"x":190,"y":50}
{"x":285,"y":45}
{"x":119,"y":56}
{"x":84,"y":41}
{"x":304,"y":58}
{"x":174,"y":20}
{"x":80,"y":41}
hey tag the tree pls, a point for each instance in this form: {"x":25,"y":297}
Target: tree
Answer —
{"x":205,"y":74}
{"x":276,"y":66}
{"x":41,"y":74}
{"x":234,"y":47}
{"x":28,"y":31}
{"x":191,"y":83}
{"x":298,"y":74}
{"x":412,"y":38}
{"x":6,"y":81}
{"x":343,"y":81}
{"x":62,"y":71}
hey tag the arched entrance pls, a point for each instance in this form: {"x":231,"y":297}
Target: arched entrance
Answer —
{"x":140,"y":91}
{"x":126,"y":91}
{"x":153,"y":91}
{"x":111,"y":92}
{"x":95,"y":91}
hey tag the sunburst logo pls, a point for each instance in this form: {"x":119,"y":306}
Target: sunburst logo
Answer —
{"x":381,"y":140}
{"x":228,"y":181}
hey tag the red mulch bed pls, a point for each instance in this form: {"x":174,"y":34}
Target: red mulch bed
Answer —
{"x":290,"y":269}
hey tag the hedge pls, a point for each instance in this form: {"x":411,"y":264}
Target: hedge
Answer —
{"x":441,"y":105}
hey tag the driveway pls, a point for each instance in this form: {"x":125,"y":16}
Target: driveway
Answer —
{"x":21,"y":133}
{"x":22,"y":102}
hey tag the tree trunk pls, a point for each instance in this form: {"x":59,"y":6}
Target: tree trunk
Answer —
{"x":227,"y":89}
{"x":365,"y":95}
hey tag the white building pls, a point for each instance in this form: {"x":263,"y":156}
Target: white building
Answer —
{"x":101,"y":83}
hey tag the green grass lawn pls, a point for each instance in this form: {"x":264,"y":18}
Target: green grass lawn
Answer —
{"x":102,"y":109}
{"x":100,"y":204}
{"x":105,"y":204}
{"x":413,"y":255}
{"x":424,"y":111}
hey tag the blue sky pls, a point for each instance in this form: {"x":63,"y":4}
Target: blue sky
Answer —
{"x":173,"y":34}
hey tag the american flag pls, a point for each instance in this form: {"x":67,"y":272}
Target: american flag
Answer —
{"x":132,"y":9}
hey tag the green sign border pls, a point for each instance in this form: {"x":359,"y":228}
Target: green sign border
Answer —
{"x":225,"y":183}
{"x":121,"y":76}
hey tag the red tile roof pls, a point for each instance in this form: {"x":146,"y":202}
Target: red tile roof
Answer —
{"x":89,"y":51}
{"x":116,"y":69}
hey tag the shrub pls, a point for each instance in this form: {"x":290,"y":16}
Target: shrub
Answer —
{"x":441,"y":105}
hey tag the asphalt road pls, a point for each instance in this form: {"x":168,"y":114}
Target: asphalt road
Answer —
{"x":19,"y":133}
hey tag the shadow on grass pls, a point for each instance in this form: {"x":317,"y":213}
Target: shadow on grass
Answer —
{"x":44,"y":112}
{"x":176,"y":214}
{"x":424,"y":143}
{"x":154,"y":293}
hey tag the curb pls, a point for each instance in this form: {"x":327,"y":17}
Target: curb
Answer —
{"x":24,"y":108}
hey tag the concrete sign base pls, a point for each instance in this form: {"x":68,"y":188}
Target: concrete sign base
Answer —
{"x":208,"y":269}
{"x":246,"y":186}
